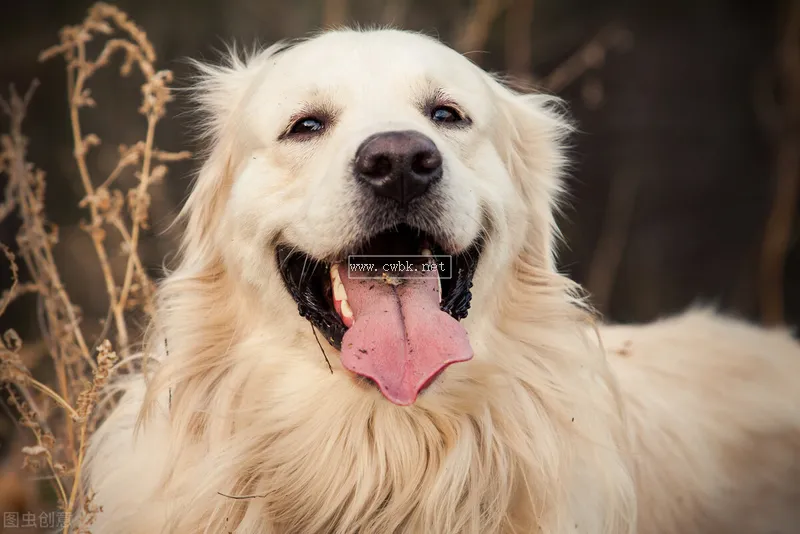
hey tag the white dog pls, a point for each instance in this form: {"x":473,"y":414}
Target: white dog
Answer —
{"x":382,"y":407}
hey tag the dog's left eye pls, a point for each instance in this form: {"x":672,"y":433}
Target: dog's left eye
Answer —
{"x":306,"y":125}
{"x":446,"y":114}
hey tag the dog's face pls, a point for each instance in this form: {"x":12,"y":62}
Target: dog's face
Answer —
{"x":373,"y":174}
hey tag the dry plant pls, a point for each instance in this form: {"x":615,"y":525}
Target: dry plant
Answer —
{"x":518,"y":39}
{"x":62,"y":417}
{"x":394,"y":12}
{"x":334,"y":13}
{"x":592,"y":55}
{"x":786,"y":187}
{"x":478,"y":25}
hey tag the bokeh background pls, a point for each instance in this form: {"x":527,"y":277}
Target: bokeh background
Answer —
{"x":686,"y":172}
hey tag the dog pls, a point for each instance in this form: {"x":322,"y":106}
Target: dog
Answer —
{"x":291,"y":387}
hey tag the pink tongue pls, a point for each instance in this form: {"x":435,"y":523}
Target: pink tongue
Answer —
{"x":400,"y":338}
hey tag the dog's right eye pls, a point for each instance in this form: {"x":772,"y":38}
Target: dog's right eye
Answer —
{"x":306,"y":125}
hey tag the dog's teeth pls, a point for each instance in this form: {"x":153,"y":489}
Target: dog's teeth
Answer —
{"x":426,"y":252}
{"x":339,"y":292}
{"x":340,"y":297}
{"x":347,"y":312}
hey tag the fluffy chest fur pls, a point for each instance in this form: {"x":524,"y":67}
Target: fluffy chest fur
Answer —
{"x":244,"y":447}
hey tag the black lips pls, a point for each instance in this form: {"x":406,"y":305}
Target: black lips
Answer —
{"x":308,"y":280}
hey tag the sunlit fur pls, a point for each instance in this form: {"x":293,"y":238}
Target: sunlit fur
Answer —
{"x":539,"y":433}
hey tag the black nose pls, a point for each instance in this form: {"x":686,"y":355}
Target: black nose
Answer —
{"x":398,"y":165}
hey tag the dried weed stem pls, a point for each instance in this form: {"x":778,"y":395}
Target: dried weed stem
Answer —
{"x":61,"y":417}
{"x":106,"y":205}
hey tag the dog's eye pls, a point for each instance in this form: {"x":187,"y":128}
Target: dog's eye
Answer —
{"x":445,"y":114}
{"x":306,"y":125}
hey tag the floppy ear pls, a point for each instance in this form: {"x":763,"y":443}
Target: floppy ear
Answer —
{"x":531,"y":135}
{"x":220,"y":93}
{"x":220,"y":90}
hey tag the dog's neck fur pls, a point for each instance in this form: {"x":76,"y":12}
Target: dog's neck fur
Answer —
{"x":511,"y":444}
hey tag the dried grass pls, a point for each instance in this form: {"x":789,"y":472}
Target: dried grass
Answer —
{"x":62,"y":417}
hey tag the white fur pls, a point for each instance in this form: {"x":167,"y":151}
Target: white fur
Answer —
{"x":684,"y":426}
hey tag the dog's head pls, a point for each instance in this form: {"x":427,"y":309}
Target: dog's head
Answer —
{"x":381,"y":185}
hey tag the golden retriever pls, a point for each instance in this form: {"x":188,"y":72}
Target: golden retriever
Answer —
{"x":287,"y":392}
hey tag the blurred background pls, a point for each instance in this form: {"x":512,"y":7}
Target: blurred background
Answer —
{"x":686,"y":172}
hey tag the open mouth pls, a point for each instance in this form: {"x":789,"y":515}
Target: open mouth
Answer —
{"x":391,"y":306}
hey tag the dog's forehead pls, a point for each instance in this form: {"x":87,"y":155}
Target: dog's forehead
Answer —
{"x":374,"y":58}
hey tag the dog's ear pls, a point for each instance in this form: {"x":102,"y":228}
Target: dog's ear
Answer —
{"x":530,"y":137}
{"x":220,"y":92}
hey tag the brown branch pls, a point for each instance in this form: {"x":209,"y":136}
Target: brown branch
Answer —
{"x":394,"y":12}
{"x":30,"y":199}
{"x":778,"y":230}
{"x":592,"y":55}
{"x":140,"y":215}
{"x":334,"y":13}
{"x":85,"y":405}
{"x":613,"y":238}
{"x":79,"y":72}
{"x":9,"y":295}
{"x":478,"y":25}
{"x":519,"y":21}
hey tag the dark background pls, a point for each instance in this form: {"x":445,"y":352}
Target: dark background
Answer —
{"x":682,"y":122}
